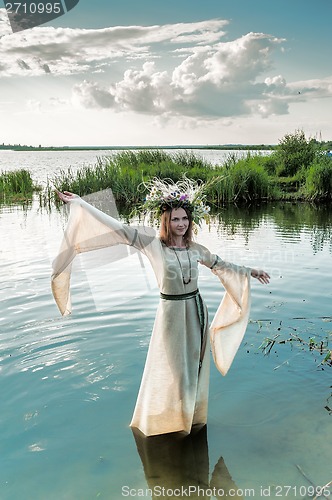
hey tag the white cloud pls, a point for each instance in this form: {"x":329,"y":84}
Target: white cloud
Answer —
{"x":145,"y":91}
{"x":214,"y":81}
{"x":270,"y":106}
{"x":243,"y":59}
{"x":278,"y":95}
{"x":187,"y":75}
{"x":5,"y":28}
{"x":65,"y":51}
{"x":316,"y":88}
{"x":91,"y":95}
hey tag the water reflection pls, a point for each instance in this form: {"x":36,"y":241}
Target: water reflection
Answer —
{"x":180,"y":466}
{"x":290,"y":219}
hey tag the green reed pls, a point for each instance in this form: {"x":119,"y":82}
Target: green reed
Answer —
{"x":15,"y":186}
{"x":318,"y":180}
{"x":125,"y":172}
{"x":237,"y":180}
{"x":244,"y":180}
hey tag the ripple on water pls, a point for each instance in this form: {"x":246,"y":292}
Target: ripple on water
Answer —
{"x":69,"y":385}
{"x":242,"y":408}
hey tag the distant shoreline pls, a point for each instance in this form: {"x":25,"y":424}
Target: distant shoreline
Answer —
{"x":245,"y":147}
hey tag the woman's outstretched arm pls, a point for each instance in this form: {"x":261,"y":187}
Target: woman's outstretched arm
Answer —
{"x":90,"y":229}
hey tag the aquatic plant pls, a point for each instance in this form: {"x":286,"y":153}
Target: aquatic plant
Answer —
{"x":238,"y":180}
{"x":125,"y":172}
{"x":318,"y":181}
{"x":244,"y":181}
{"x":16,"y":185}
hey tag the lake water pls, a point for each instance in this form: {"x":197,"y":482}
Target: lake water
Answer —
{"x":69,"y":385}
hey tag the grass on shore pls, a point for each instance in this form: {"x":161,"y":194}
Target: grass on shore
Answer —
{"x":237,"y":180}
{"x":318,"y":181}
{"x":298,"y":170}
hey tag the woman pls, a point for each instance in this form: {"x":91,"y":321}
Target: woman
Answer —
{"x":173,"y":396}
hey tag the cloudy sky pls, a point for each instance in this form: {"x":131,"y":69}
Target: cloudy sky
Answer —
{"x":167,"y":73}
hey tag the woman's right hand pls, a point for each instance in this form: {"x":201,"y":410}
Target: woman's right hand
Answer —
{"x":66,"y":196}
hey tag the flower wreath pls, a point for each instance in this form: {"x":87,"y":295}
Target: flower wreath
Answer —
{"x":186,"y":193}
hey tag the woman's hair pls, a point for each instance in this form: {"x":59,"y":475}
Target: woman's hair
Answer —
{"x":165,"y":233}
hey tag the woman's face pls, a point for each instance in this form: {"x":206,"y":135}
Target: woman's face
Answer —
{"x":179,"y":222}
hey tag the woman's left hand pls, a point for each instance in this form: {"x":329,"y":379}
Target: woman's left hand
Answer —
{"x":66,"y":196}
{"x":262,"y":276}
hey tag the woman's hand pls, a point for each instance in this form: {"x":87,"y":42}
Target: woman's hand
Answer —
{"x":66,"y":196}
{"x":262,"y":276}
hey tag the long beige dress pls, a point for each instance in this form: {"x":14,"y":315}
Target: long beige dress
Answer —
{"x":173,"y":395}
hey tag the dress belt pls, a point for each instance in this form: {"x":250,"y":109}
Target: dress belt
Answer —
{"x":181,"y":296}
{"x":201,"y":315}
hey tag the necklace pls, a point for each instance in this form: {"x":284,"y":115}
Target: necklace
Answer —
{"x":185,"y":282}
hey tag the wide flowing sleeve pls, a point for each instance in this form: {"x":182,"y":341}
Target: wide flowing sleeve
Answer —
{"x":231,"y":319}
{"x":89,"y":229}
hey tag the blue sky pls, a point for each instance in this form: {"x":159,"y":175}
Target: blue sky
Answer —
{"x":167,"y":73}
